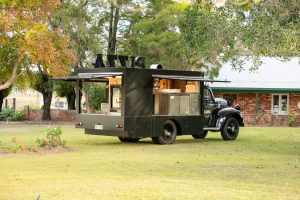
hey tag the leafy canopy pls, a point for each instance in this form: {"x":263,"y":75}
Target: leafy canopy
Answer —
{"x":26,"y":39}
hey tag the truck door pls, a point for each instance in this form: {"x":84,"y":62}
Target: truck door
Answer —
{"x":209,"y":104}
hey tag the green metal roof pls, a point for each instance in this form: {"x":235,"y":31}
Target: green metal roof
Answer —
{"x":256,"y":90}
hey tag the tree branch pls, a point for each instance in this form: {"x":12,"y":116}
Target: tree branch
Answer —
{"x":85,"y":3}
{"x":44,"y":75}
{"x":13,"y":74}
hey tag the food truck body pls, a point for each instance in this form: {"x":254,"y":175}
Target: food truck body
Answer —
{"x":156,"y":103}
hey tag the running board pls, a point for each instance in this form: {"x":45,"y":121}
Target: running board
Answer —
{"x":211,"y":129}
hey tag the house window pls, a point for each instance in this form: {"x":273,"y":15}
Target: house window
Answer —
{"x":280,"y":104}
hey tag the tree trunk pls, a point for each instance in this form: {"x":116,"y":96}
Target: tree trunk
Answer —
{"x":115,"y":30}
{"x":114,"y":16}
{"x":47,"y":98}
{"x":110,"y":29}
{"x":71,"y":101}
{"x":4,"y":93}
{"x":1,"y":101}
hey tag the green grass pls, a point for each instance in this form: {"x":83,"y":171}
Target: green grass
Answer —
{"x":263,"y":163}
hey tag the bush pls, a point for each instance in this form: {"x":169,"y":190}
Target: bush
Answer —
{"x":18,"y":116}
{"x":8,"y":114}
{"x":293,"y":120}
{"x":17,"y":146}
{"x":52,"y":139}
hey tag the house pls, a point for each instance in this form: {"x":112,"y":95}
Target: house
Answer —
{"x":269,"y":96}
{"x":32,"y":99}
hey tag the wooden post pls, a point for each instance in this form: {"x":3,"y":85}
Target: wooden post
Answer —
{"x":14,"y":104}
{"x":6,"y":103}
{"x":26,"y":112}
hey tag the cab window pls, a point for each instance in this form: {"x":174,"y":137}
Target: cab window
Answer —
{"x":208,"y":96}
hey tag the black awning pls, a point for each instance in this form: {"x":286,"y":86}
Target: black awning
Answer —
{"x":187,"y":78}
{"x":88,"y":76}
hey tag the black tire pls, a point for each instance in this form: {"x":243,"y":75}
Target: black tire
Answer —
{"x":169,"y":133}
{"x":231,"y":129}
{"x":201,"y":136}
{"x":130,"y":140}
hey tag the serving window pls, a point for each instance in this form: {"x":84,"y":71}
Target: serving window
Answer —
{"x":176,"y":97}
{"x":102,"y":96}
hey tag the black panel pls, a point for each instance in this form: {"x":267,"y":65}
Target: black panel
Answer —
{"x":138,"y":93}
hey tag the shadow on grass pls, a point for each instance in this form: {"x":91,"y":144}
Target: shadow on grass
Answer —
{"x":147,"y":141}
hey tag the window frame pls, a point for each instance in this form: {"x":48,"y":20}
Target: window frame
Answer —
{"x":280,"y":112}
{"x":212,"y":100}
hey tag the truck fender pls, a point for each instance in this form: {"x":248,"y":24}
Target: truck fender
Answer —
{"x":225,"y":113}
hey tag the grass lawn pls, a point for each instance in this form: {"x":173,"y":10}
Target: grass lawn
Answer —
{"x":263,"y":163}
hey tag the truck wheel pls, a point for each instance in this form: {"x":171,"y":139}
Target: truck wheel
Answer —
{"x":201,"y":136}
{"x":230,"y":130}
{"x":169,"y":133}
{"x":131,"y":140}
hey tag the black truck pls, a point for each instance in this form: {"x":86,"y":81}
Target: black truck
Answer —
{"x":151,"y":102}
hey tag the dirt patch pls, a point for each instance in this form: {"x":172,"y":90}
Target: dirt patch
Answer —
{"x":40,"y":151}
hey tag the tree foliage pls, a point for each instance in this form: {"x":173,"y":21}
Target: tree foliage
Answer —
{"x":30,"y":41}
{"x":240,"y":30}
{"x":66,"y":89}
{"x":78,"y":20}
{"x":156,"y":35}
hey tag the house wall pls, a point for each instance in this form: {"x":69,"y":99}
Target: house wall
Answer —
{"x":264,"y":116}
{"x":33,"y":99}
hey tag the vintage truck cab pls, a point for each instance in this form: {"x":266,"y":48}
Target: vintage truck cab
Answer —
{"x":150,"y":102}
{"x":219,"y":116}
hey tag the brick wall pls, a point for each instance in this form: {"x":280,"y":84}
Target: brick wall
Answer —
{"x":264,"y":117}
{"x":56,"y":115}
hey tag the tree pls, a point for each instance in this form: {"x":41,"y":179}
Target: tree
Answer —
{"x":58,"y":47}
{"x":208,"y":35}
{"x":65,"y":89}
{"x":272,"y":29}
{"x":238,"y":32}
{"x":37,"y":49}
{"x":4,"y":93}
{"x":79,"y":21}
{"x":113,"y":26}
{"x":156,"y":35}
{"x":82,"y":22}
{"x":17,"y":20}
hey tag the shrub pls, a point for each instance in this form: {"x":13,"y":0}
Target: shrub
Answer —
{"x":52,"y":139}
{"x":18,"y":116}
{"x":8,"y":114}
{"x":17,"y":146}
{"x":293,"y":120}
